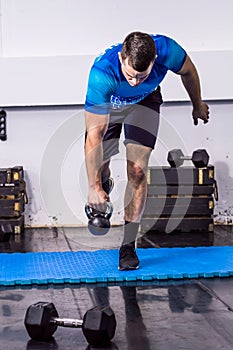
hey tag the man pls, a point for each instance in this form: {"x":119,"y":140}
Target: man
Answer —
{"x":123,"y":88}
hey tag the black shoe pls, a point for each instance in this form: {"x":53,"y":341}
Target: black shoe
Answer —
{"x":108,"y":185}
{"x":128,"y":259}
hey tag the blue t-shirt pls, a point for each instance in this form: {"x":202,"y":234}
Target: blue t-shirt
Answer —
{"x":107,"y":86}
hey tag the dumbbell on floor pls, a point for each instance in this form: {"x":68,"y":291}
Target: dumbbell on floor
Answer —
{"x":176,"y":158}
{"x":99,"y":223}
{"x":98,"y":324}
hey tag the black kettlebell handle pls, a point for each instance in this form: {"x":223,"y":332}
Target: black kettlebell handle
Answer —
{"x":91,"y":212}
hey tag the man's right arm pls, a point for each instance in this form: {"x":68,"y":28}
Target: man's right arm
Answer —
{"x":96,"y":126}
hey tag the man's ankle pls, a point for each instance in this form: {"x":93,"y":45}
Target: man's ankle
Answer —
{"x":131,"y":243}
{"x":130,"y":232}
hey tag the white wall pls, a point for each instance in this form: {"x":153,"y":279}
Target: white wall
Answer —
{"x":48,"y":142}
{"x":77,"y":27}
{"x":46,"y":49}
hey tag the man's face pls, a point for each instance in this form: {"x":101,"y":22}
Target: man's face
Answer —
{"x":133,"y":77}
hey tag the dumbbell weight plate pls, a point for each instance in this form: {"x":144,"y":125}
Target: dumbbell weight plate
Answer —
{"x":175,"y":158}
{"x":99,"y":325}
{"x":37,"y":320}
{"x":200,"y":158}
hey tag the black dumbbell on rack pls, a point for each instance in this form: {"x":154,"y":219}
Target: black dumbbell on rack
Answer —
{"x":176,"y":158}
{"x":98,"y":324}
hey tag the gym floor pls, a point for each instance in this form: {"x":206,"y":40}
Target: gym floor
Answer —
{"x":183,"y":314}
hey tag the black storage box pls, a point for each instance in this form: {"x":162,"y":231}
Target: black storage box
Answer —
{"x":179,"y":199}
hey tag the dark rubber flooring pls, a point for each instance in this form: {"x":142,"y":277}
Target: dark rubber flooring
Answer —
{"x":176,"y":315}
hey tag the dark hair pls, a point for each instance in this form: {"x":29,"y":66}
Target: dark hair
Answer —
{"x":140,"y":50}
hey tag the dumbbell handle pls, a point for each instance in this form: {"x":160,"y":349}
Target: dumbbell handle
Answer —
{"x":67,"y":322}
{"x":186,"y":157}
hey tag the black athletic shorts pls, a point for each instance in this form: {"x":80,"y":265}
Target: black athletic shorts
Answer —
{"x":141,"y":123}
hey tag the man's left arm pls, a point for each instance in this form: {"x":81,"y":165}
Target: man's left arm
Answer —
{"x":191,"y":82}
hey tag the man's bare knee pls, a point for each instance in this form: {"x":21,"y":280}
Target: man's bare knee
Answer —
{"x":136,"y":175}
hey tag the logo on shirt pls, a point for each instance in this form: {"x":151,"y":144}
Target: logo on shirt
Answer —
{"x":118,"y":102}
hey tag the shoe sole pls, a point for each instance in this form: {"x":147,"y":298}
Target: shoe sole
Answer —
{"x":111,"y":181}
{"x":112,"y":185}
{"x":127,"y":268}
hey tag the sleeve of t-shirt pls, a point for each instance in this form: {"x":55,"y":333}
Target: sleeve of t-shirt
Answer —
{"x":99,"y":89}
{"x":172,"y":54}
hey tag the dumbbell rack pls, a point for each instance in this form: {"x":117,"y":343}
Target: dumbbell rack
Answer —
{"x":12,"y":201}
{"x":179,"y":199}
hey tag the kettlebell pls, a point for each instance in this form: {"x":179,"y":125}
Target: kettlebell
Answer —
{"x":99,"y":222}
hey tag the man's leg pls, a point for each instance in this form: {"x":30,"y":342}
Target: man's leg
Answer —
{"x":134,"y":202}
{"x":136,"y":189}
{"x":141,"y":128}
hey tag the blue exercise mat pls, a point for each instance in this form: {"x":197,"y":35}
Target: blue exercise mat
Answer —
{"x":102,"y":266}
